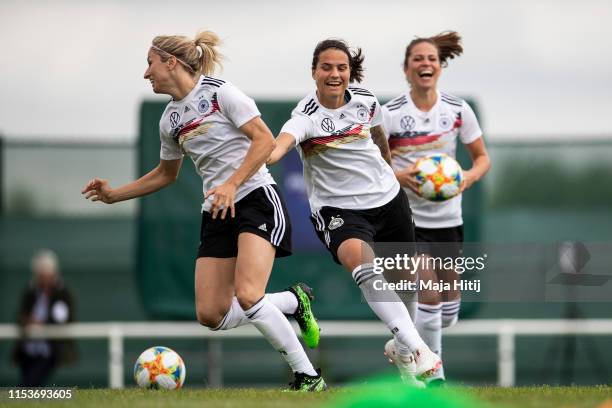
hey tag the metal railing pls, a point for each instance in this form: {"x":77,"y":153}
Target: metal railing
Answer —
{"x":505,"y":330}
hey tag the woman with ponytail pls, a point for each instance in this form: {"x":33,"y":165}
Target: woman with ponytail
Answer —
{"x":354,"y":197}
{"x":244,"y":223}
{"x":422,"y":121}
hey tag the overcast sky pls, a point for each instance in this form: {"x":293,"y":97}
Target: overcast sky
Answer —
{"x":538,"y":68}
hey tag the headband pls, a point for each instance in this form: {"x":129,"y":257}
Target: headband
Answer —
{"x":186,"y":65}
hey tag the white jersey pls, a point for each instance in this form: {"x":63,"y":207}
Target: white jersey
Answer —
{"x":414,"y":134}
{"x":205,"y":126}
{"x":343,"y":167}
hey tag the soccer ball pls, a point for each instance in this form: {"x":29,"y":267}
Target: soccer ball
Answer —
{"x":159,"y":367}
{"x":439,"y":177}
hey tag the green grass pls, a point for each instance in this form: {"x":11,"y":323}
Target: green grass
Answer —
{"x":545,"y":396}
{"x":524,"y":397}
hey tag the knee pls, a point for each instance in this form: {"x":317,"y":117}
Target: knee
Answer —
{"x":450,"y":313}
{"x":353,"y":252}
{"x":248,"y":296}
{"x":210,"y":318}
{"x":430,"y":297}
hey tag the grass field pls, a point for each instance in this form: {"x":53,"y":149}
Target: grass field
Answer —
{"x":455,"y":397}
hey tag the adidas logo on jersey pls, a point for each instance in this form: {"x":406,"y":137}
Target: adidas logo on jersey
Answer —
{"x":263,"y":227}
{"x":342,"y":116}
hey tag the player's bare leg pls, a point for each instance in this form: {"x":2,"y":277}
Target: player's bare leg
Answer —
{"x":253,"y":268}
{"x":357,"y":257}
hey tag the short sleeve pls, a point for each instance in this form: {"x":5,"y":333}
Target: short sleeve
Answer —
{"x":377,"y":117}
{"x":170,"y":149}
{"x":236,"y":106}
{"x":300,"y":127}
{"x":470,"y":129}
{"x":386,"y":115}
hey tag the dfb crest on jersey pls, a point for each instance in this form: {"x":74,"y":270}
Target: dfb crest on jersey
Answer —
{"x":328,"y":125}
{"x":203,"y":106}
{"x":445,"y":123}
{"x":174,"y":119}
{"x":407,"y":122}
{"x":335,"y":222}
{"x":362,"y":114}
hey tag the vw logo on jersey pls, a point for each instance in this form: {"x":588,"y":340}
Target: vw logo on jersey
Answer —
{"x":362,"y":114}
{"x":328,"y":125}
{"x":445,"y":123}
{"x":174,"y":119}
{"x":407,"y":122}
{"x":203,"y":106}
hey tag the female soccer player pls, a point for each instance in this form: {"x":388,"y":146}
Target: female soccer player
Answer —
{"x":421,"y":122}
{"x":244,"y":220}
{"x":353,"y":193}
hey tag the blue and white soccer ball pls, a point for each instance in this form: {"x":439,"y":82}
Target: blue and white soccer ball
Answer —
{"x":159,"y":367}
{"x":440,"y":177}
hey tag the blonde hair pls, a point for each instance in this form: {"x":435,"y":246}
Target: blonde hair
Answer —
{"x":198,"y":55}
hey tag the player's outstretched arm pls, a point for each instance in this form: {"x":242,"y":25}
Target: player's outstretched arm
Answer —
{"x":284,"y":143}
{"x":164,"y":174}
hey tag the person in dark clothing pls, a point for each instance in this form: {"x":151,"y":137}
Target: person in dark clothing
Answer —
{"x":46,"y":300}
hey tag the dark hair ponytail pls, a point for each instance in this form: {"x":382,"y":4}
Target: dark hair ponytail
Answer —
{"x":448,"y":44}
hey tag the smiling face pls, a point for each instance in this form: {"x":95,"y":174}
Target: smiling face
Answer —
{"x":332,"y":74}
{"x":423,"y":67}
{"x":158,"y":72}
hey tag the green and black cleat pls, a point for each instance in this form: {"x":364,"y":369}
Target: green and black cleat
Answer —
{"x":304,"y":316}
{"x":308,"y":383}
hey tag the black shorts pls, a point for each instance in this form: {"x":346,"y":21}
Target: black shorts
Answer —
{"x":391,"y":222}
{"x":261,"y":212}
{"x":440,"y":242}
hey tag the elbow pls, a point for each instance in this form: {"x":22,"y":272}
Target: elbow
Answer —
{"x":487,"y":163}
{"x":269,"y":146}
{"x":171,"y":178}
{"x":168,"y":178}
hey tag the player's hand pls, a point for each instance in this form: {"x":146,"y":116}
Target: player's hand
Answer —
{"x":98,"y":190}
{"x":224,"y":196}
{"x":406,"y":178}
{"x":468,"y":180}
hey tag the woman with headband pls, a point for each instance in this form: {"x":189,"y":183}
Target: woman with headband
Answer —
{"x":244,"y":221}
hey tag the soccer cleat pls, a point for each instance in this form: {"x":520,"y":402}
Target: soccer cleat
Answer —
{"x":427,"y":363}
{"x":308,"y":383}
{"x":304,"y":316}
{"x":405,"y":364}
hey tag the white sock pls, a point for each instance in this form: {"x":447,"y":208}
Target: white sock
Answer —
{"x":275,"y":327}
{"x":389,"y":308}
{"x":410,"y":300}
{"x":429,"y":325}
{"x":450,"y":312}
{"x":285,"y":301}
{"x":234,"y":318}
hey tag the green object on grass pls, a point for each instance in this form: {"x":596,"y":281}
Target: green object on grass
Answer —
{"x":390,"y":392}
